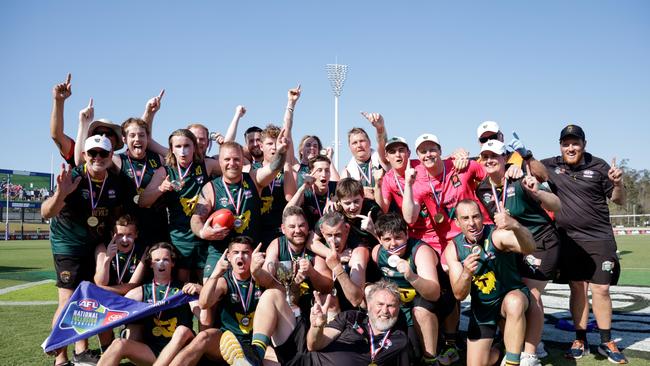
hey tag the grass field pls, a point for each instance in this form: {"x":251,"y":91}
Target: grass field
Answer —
{"x":26,"y":326}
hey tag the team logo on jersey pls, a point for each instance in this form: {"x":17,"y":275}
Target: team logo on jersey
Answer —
{"x":111,"y":193}
{"x":223,"y":201}
{"x":607,"y":266}
{"x":487,"y":197}
{"x":588,"y":173}
{"x":485,"y":282}
{"x":199,"y":179}
{"x":267,"y":202}
{"x":85,"y":194}
{"x":248,"y":194}
{"x":510,"y":192}
{"x":189,"y":204}
{"x":164,"y":328}
{"x":234,"y":298}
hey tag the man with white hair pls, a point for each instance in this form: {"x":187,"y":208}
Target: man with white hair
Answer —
{"x":354,"y":337}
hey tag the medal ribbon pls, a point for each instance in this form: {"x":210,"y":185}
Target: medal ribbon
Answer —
{"x":126,"y":265}
{"x":327,"y":198}
{"x":230,"y":199}
{"x":393,"y":251}
{"x":93,"y":204}
{"x":503,"y":194}
{"x":249,"y":295}
{"x":369,"y":176}
{"x":373,"y":351}
{"x":293,"y":259}
{"x":399,"y":186}
{"x":155,"y":289}
{"x":181,"y":176}
{"x":138,"y":182}
{"x":442,"y":187}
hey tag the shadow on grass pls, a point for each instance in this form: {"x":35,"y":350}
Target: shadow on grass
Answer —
{"x":25,"y":274}
{"x":4,"y":269}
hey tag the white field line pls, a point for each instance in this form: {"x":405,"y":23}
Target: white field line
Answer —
{"x":24,"y":286}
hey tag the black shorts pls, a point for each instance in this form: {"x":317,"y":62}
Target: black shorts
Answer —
{"x":443,"y":307}
{"x":71,"y":270}
{"x":542,"y":263}
{"x":593,"y":261}
{"x":294,"y":350}
{"x":490,"y":315}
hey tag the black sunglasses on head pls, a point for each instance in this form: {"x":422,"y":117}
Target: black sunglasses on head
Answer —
{"x":487,"y":138}
{"x":94,"y":153}
{"x":104,"y":132}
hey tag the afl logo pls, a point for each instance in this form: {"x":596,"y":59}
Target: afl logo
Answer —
{"x":88,"y":304}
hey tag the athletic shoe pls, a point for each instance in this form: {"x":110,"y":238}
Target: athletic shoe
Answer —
{"x":528,"y":359}
{"x":610,"y":350}
{"x":577,"y":350}
{"x":85,"y":358}
{"x":234,"y":353}
{"x":540,"y":351}
{"x":449,"y":356}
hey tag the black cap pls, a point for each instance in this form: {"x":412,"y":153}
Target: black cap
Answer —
{"x":572,"y":130}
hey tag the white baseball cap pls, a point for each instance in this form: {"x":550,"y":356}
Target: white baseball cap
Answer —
{"x":487,"y":126}
{"x":98,"y":141}
{"x":494,"y":146}
{"x":396,"y":140}
{"x":426,"y":137}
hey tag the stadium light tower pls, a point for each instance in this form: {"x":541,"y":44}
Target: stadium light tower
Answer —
{"x":336,"y":74}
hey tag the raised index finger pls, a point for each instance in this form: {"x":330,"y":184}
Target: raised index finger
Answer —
{"x":614,"y":162}
{"x":528,"y":171}
{"x":90,"y":104}
{"x":68,"y":79}
{"x":162,"y":92}
{"x":257,"y":249}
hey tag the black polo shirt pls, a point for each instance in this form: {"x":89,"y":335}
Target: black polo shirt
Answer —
{"x":352,"y":346}
{"x":583,"y":190}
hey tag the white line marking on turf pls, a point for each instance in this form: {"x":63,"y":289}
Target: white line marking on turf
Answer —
{"x":23,"y":286}
{"x":15,"y":303}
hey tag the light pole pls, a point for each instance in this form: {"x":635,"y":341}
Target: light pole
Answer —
{"x":7,"y":187}
{"x":336,"y":74}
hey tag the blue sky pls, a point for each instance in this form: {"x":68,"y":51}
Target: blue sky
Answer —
{"x":437,"y":67}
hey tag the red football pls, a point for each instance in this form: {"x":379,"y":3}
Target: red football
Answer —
{"x":223,"y":218}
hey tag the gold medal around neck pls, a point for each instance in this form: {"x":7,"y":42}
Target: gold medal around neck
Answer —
{"x":476,"y":249}
{"x":238,"y":223}
{"x":439,"y":218}
{"x":156,"y":331}
{"x":92,"y":221}
{"x":136,"y":199}
{"x":245,"y":321}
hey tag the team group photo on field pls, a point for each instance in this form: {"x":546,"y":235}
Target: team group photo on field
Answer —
{"x":310,"y":233}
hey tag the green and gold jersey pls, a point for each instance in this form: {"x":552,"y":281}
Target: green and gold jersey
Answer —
{"x":244,"y":195}
{"x":180,"y":204}
{"x":79,"y":227}
{"x":406,"y":290}
{"x":300,"y":176}
{"x":152,"y":221}
{"x":521,"y":206}
{"x":159,"y":328}
{"x":306,"y":287}
{"x":313,"y":204}
{"x":497,"y":272}
{"x":232,"y":314}
{"x":273,"y":204}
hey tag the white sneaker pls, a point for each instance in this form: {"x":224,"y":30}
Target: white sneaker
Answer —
{"x":541,"y":351}
{"x":528,"y":359}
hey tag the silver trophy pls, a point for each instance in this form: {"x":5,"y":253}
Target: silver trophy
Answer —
{"x":285,"y":273}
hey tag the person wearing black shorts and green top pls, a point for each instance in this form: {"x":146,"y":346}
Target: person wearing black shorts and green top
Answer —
{"x":415,"y":267}
{"x":482,"y":262}
{"x":317,"y":192}
{"x":82,"y":210}
{"x":179,"y":183}
{"x":234,"y":292}
{"x":237,"y":192}
{"x":527,"y":203}
{"x":165,"y":333}
{"x":584,"y":183}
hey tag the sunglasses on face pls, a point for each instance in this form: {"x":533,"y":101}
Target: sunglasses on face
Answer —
{"x":95,"y":153}
{"x":486,"y":138}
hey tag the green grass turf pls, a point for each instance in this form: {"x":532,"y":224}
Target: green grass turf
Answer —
{"x":25,"y":327}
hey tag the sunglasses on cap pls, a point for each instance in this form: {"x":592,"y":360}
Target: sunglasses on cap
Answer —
{"x":94,"y":153}
{"x":487,"y":138}
{"x":104,"y":131}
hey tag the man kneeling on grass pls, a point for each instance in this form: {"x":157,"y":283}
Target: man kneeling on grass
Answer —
{"x":165,"y":333}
